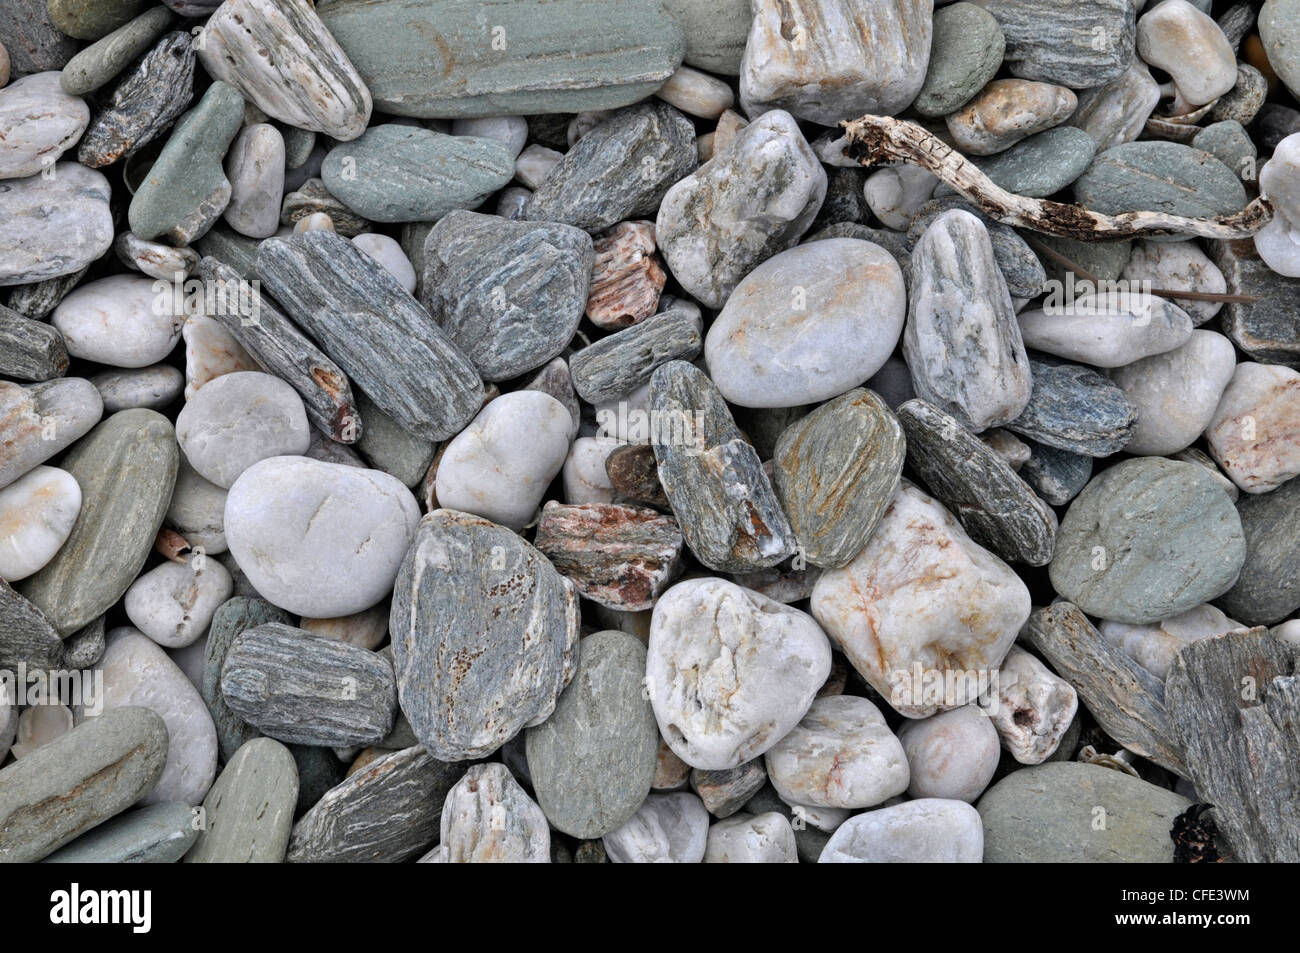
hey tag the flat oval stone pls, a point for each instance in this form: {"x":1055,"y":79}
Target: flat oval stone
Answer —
{"x":484,"y":633}
{"x":157,"y":834}
{"x":122,"y":321}
{"x":666,"y":829}
{"x":1147,"y":539}
{"x":91,"y":19}
{"x":795,"y":331}
{"x":925,"y":830}
{"x":489,"y":819}
{"x":441,"y":58}
{"x":78,"y":781}
{"x":1107,"y":329}
{"x":730,"y":672}
{"x":952,"y":754}
{"x":249,"y":809}
{"x":1076,"y":409}
{"x":1164,"y":177}
{"x":1117,"y":111}
{"x":37,"y":512}
{"x":126,"y":469}
{"x":319,"y":539}
{"x":174,"y":602}
{"x":965,"y":53}
{"x":40,"y":420}
{"x":1007,"y":111}
{"x":1042,"y":164}
{"x":592,"y":761}
{"x":151,"y":387}
{"x":1056,"y":40}
{"x":41,"y":122}
{"x":752,"y":839}
{"x":55,"y":225}
{"x":615,"y":366}
{"x":255,"y":168}
{"x":1267,"y":590}
{"x":99,"y":62}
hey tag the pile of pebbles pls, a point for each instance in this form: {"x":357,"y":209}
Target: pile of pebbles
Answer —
{"x":525,"y":432}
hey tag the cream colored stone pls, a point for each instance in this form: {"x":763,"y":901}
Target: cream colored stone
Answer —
{"x":1156,"y":645}
{"x":1188,"y":45}
{"x":1007,"y":111}
{"x":1255,"y":432}
{"x":1033,"y":707}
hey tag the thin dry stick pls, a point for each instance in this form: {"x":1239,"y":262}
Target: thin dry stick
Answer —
{"x":876,"y":139}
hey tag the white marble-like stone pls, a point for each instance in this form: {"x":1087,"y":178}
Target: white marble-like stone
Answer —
{"x":38,"y":123}
{"x":39,"y":725}
{"x":1034,"y":707}
{"x":896,"y":193}
{"x":489,"y":819}
{"x":211,"y":351}
{"x":157,"y":260}
{"x":1155,"y":646}
{"x":255,"y":168}
{"x":1177,"y":266}
{"x":54,"y":225}
{"x":173,"y":603}
{"x":37,"y":512}
{"x":752,"y":839}
{"x":952,"y":754}
{"x":1106,"y":330}
{"x":1255,"y":431}
{"x":534,"y":164}
{"x":666,"y":829}
{"x":1187,"y":44}
{"x":153,"y":387}
{"x":924,"y":831}
{"x":122,"y":321}
{"x":584,"y":474}
{"x":388,"y":252}
{"x":366,"y":628}
{"x":197,"y":510}
{"x":696,"y":93}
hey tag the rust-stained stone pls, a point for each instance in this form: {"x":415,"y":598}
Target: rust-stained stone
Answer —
{"x":634,"y":474}
{"x":626,"y":278}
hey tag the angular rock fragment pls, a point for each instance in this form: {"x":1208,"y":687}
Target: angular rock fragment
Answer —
{"x":626,"y":276}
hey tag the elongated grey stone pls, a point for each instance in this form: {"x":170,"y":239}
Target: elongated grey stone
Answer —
{"x":620,"y":170}
{"x":723,"y":501}
{"x":1266,"y":329}
{"x":456,"y":59}
{"x":1164,"y":177}
{"x":1075,"y":43}
{"x":387,"y":812}
{"x":1019,"y":264}
{"x":85,"y":647}
{"x":620,"y":363}
{"x":362,"y":318}
{"x":98,"y":63}
{"x":54,"y":225}
{"x":835,"y":471}
{"x":126,"y":469}
{"x":1076,"y":409}
{"x":37,"y":300}
{"x":299,"y":688}
{"x":593,"y":760}
{"x":998,"y":509}
{"x":30,"y":350}
{"x":157,"y":834}
{"x":145,"y":101}
{"x":26,"y":635}
{"x":508,"y":294}
{"x":40,"y":420}
{"x":78,"y":780}
{"x":281,"y":349}
{"x":484,"y":633}
{"x":249,"y":809}
{"x":965,"y":53}
{"x":228,"y":622}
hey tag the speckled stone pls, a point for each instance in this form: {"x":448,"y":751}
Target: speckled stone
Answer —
{"x":230,"y":619}
{"x":104,"y":59}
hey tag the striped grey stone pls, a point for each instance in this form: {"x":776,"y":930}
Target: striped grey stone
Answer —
{"x":157,"y":834}
{"x":99,"y":62}
{"x":509,"y":294}
{"x":1266,"y":329}
{"x":145,"y":101}
{"x":30,"y":350}
{"x":54,"y":225}
{"x":962,"y":341}
{"x":387,"y":812}
{"x":713,"y":478}
{"x":1075,"y":43}
{"x":390,"y":447}
{"x":998,"y":509}
{"x":363,"y":318}
{"x":1074,"y":408}
{"x":249,"y":808}
{"x":85,"y":647}
{"x":281,"y":349}
{"x":620,"y":170}
{"x":1055,"y":475}
{"x":231,"y":619}
{"x":620,"y":363}
{"x":38,"y":300}
{"x":79,"y":780}
{"x":1268,"y":589}
{"x":303,"y":689}
{"x":726,"y":791}
{"x":592,"y":761}
{"x":484,"y":634}
{"x":238,"y":252}
{"x":33,"y":42}
{"x":836,"y":470}
{"x":40,"y":420}
{"x":126,"y":468}
{"x":1164,"y":177}
{"x":715,"y":31}
{"x":311,"y":198}
{"x":1019,"y":264}
{"x":27,"y":637}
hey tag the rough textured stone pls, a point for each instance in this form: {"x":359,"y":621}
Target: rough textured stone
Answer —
{"x":925,"y":830}
{"x":489,"y":819}
{"x":32,"y":41}
{"x":1057,"y":40}
{"x":626,"y":276}
{"x":1076,"y":409}
{"x":1034,"y":709}
{"x":1253,"y":433}
{"x":26,"y":635}
{"x":667,"y":828}
{"x":625,"y":360}
{"x":55,"y":225}
{"x":1268,"y":589}
{"x":230,"y":619}
{"x":726,"y":792}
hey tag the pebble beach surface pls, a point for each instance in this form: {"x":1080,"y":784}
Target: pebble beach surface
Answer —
{"x":546,"y":432}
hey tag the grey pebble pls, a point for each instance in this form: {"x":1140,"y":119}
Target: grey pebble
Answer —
{"x":390,"y":447}
{"x":248,"y":811}
{"x":152,"y":387}
{"x":157,"y":834}
{"x":1164,"y":177}
{"x":1055,"y":475}
{"x":27,"y":637}
{"x":228,"y":622}
{"x":1268,"y":589}
{"x":1052,"y":40}
{"x":30,"y":350}
{"x":104,"y":59}
{"x":725,"y":792}
{"x":1074,"y":408}
{"x":620,"y":363}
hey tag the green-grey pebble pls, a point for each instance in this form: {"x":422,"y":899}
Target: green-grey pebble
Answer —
{"x":1268,"y":589}
{"x":92,"y":19}
{"x":1043,"y":164}
{"x":1164,"y":177}
{"x":157,"y":834}
{"x":231,"y":618}
{"x":390,"y":447}
{"x":1072,"y":407}
{"x":965,"y":52}
{"x":715,"y":32}
{"x":102,"y":60}
{"x":248,"y":811}
{"x":1228,"y":142}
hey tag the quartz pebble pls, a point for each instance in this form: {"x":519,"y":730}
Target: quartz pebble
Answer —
{"x":255,"y":168}
{"x":925,"y":830}
{"x":1156,"y":645}
{"x":1252,"y":433}
{"x":121,"y":321}
{"x":1034,"y":708}
{"x":174,"y":602}
{"x":1007,"y":111}
{"x":388,"y":252}
{"x":751,"y":839}
{"x":41,"y":122}
{"x":951,"y":755}
{"x":666,"y":829}
{"x":1178,"y":266}
{"x":37,"y":511}
{"x":55,"y":224}
{"x":1176,"y":37}
{"x":488,"y":818}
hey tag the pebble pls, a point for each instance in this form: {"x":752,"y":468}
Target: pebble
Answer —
{"x":1108,"y":329}
{"x":78,"y":781}
{"x":592,"y":761}
{"x":136,"y":671}
{"x":1034,"y":708}
{"x":121,"y":321}
{"x":1265,"y":330}
{"x":1147,"y":539}
{"x":1019,"y":264}
{"x":1243,"y":102}
{"x":1277,"y":30}
{"x":312,"y":199}
{"x":618,"y":364}
{"x":921,"y":595}
{"x":965,"y":53}
{"x":1155,"y":646}
{"x":951,"y":755}
{"x":1178,"y":266}
{"x":154,"y":259}
{"x":751,"y":839}
{"x":726,"y":792}
{"x":197,"y":510}
{"x":1053,"y":41}
{"x":962,"y":342}
{"x":230,"y":619}
{"x":626,"y":276}
{"x":923,"y":831}
{"x":1252,"y":434}
{"x":41,"y":122}
{"x":1117,"y":111}
{"x":255,"y":168}
{"x":829,"y":61}
{"x":1074,"y":408}
{"x":40,"y":420}
{"x":55,"y":225}
{"x":388,"y":252}
{"x":534,"y":164}
{"x":91,"y":19}
{"x":510,"y":295}
{"x":249,"y":810}
{"x":300,"y":689}
{"x":158,"y":834}
{"x":174,"y":602}
{"x":98,"y":63}
{"x":34,"y":43}
{"x":489,"y":819}
{"x":895,"y":194}
{"x":1164,"y":177}
{"x":510,"y":130}
{"x":835,"y":471}
{"x":478,"y":596}
{"x":666,"y":829}
{"x":319,"y":539}
{"x":696,"y":94}
{"x":1184,"y":42}
{"x":1043,"y":164}
{"x":37,"y":513}
{"x":1176,"y":392}
{"x":212,"y":351}
{"x":730,"y":672}
{"x":1229,"y":142}
{"x":750,"y":202}
{"x":1034,"y":816}
{"x":282,"y":58}
{"x":794,"y":331}
{"x":38,"y":725}
{"x":366,"y":629}
{"x":1007,"y":111}
{"x":1266,"y":591}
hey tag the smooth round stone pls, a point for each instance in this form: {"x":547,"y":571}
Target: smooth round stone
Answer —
{"x":151,"y":387}
{"x":923,"y":831}
{"x":501,"y":464}
{"x":38,"y":725}
{"x":41,"y":420}
{"x":40,"y":121}
{"x":173,"y":603}
{"x":255,"y":168}
{"x":534,"y":164}
{"x":1279,"y":29}
{"x":37,"y":512}
{"x":91,"y":19}
{"x":666,"y":829}
{"x":104,"y":59}
{"x":952,"y":755}
{"x":592,"y":761}
{"x":696,"y":94}
{"x":366,"y":629}
{"x":1164,"y":177}
{"x":807,"y":324}
{"x":137,"y":672}
{"x":1155,"y":647}
{"x":585,"y":478}
{"x":157,"y":834}
{"x":55,"y":225}
{"x":511,"y":130}
{"x":211,"y":351}
{"x":155,"y":259}
{"x":249,"y":809}
{"x":1117,"y":111}
{"x":730,"y":672}
{"x":1230,"y":143}
{"x":1176,"y":37}
{"x":842,"y":754}
{"x":1106,"y":330}
{"x":1071,"y":812}
{"x":965,"y":53}
{"x":1147,"y":539}
{"x":388,"y":252}
{"x":1176,"y":392}
{"x":1006,"y":111}
{"x":489,"y":819}
{"x":752,"y":839}
{"x":1180,"y":266}
{"x":1268,"y":588}
{"x":319,"y":539}
{"x":122,"y":321}
{"x":896,"y":193}
{"x":237,"y":420}
{"x":1254,"y":434}
{"x":1043,"y":164}
{"x":197,"y":511}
